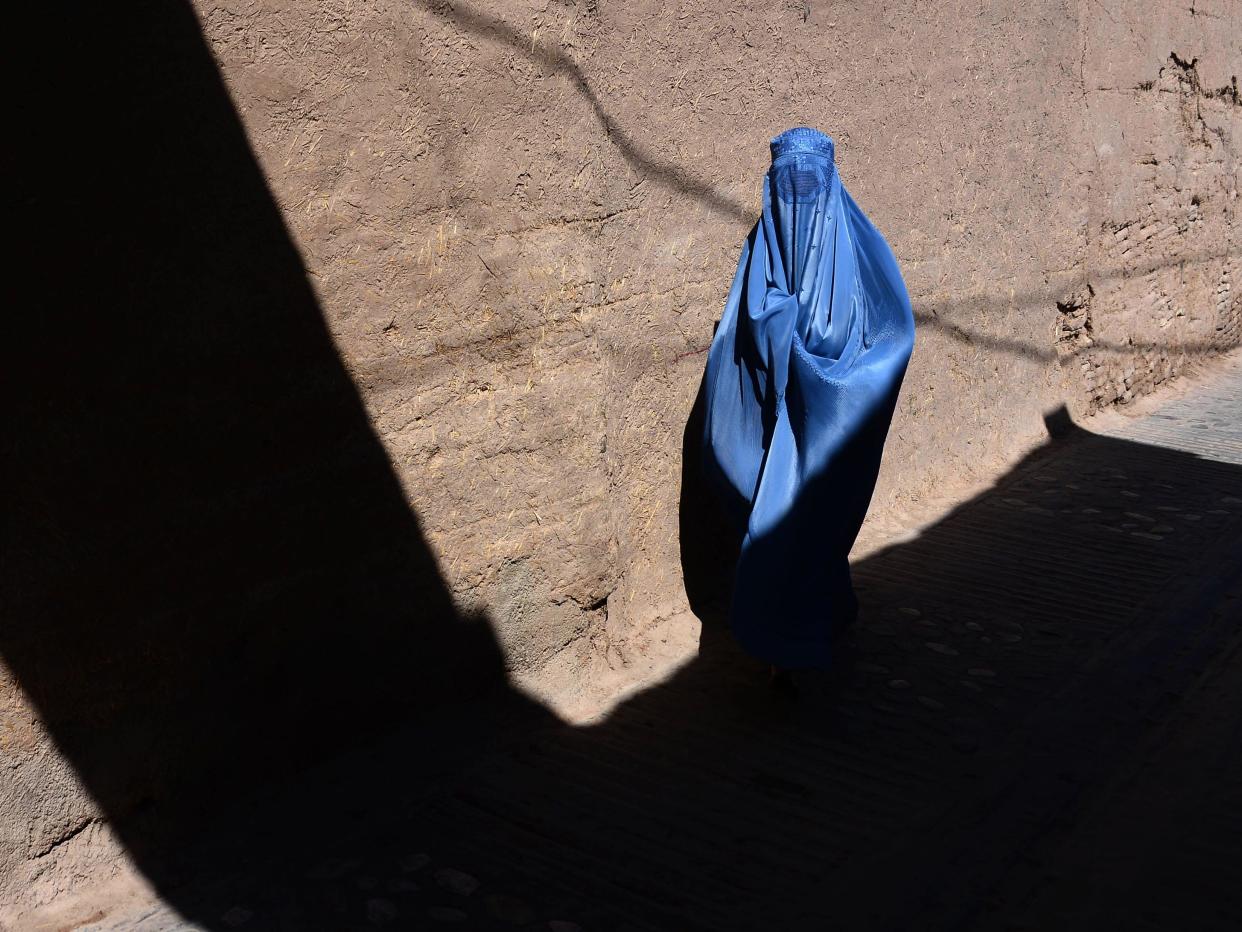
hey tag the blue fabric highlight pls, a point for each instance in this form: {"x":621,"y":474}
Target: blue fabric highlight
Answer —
{"x":802,"y":379}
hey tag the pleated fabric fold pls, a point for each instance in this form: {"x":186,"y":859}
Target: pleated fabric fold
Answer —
{"x":802,"y":379}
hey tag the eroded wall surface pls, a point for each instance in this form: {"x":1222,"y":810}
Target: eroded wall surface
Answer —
{"x":522,"y":221}
{"x":519,"y":222}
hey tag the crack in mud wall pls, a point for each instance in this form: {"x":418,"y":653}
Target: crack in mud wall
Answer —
{"x":1163,"y":238}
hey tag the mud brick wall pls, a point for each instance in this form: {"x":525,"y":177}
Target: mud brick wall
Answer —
{"x":1162,"y":240}
{"x":395,"y":364}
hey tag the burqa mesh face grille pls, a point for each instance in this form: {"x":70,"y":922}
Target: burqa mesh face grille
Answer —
{"x":798,"y":403}
{"x":800,"y":183}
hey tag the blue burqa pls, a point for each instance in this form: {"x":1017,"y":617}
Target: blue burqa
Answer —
{"x":802,"y":378}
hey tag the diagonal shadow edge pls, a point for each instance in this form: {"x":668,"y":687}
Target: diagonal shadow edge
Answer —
{"x":212,"y":578}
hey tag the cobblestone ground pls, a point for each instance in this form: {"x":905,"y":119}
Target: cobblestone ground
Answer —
{"x":1036,"y":724}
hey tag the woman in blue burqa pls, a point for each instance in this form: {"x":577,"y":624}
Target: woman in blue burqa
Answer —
{"x":802,"y":378}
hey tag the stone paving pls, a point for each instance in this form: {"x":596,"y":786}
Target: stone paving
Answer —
{"x":1034,"y":725}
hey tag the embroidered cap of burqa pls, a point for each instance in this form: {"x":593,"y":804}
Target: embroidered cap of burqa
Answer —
{"x":802,"y":378}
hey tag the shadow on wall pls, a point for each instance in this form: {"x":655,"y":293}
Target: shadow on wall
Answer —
{"x":685,"y":184}
{"x":643,"y":161}
{"x":212,"y":576}
{"x":213,"y":579}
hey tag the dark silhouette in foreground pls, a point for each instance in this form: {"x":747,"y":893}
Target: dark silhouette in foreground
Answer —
{"x":223,"y":609}
{"x":212,"y":577}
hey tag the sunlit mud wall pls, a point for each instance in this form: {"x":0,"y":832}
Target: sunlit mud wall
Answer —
{"x":520,"y":220}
